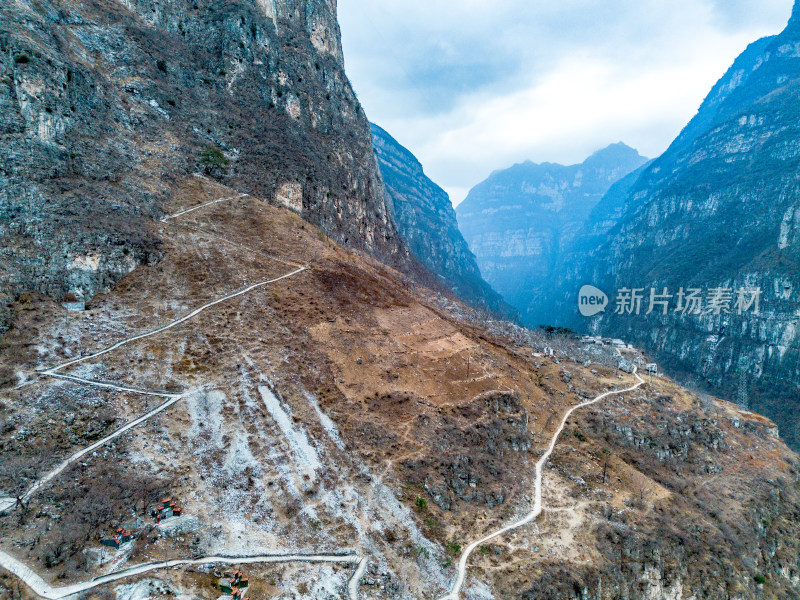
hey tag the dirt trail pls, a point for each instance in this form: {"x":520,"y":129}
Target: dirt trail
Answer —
{"x":461,"y":576}
{"x":204,"y":204}
{"x":45,"y":590}
{"x":50,"y":372}
{"x":36,"y":583}
{"x":8,"y":503}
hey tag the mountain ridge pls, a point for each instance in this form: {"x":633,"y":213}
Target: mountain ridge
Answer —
{"x":425,"y":217}
{"x":521,"y":221}
{"x":717,"y":210}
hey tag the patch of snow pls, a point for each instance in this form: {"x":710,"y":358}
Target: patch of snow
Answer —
{"x":178,"y":525}
{"x":329,"y":584}
{"x":303,"y":450}
{"x":144,"y":589}
{"x":478,"y":590}
{"x":240,"y":457}
{"x":327,"y":424}
{"x":205,"y":410}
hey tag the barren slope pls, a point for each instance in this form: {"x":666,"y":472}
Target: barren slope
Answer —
{"x":344,"y":411}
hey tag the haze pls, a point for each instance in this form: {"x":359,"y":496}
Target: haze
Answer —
{"x":473,"y":86}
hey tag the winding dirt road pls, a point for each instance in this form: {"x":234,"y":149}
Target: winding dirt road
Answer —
{"x":36,"y":583}
{"x":461,"y":576}
{"x":45,"y":590}
{"x":7,"y":504}
{"x":50,"y":372}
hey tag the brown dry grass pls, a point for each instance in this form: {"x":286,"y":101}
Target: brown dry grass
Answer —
{"x":407,"y":409}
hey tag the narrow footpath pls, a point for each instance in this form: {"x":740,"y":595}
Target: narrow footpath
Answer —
{"x":461,"y":573}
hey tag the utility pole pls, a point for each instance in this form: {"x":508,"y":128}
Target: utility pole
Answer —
{"x":468,"y":366}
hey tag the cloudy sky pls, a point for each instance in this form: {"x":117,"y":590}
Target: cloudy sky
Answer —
{"x":470,"y":86}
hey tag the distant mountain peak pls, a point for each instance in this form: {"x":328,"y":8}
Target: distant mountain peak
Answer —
{"x":520,"y":221}
{"x":615,"y":154}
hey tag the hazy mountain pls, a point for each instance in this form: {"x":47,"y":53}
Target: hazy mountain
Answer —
{"x":521,"y":221}
{"x":201,"y":174}
{"x":719,"y":209}
{"x":424,"y":216}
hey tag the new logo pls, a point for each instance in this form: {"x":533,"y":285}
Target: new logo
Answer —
{"x":591,"y":301}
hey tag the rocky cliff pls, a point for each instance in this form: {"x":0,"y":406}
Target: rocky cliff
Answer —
{"x":306,"y":408}
{"x":521,"y":222}
{"x":425,"y":218}
{"x":719,"y":211}
{"x":105,"y":104}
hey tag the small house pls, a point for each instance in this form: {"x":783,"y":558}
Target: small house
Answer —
{"x":166,"y":509}
{"x":121,"y":536}
{"x":234,"y":585}
{"x":651,"y":368}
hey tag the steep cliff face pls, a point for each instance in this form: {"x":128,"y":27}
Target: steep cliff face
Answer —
{"x":521,"y":221}
{"x":720,"y":210}
{"x":425,"y":218}
{"x":105,"y":104}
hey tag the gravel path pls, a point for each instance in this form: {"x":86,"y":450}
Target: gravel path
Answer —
{"x":461,"y":576}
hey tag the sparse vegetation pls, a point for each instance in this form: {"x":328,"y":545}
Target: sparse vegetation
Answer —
{"x":421,"y":504}
{"x":421,"y":551}
{"x":213,"y":161}
{"x":21,"y":58}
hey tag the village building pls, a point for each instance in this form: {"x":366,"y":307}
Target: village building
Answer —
{"x":165,"y":510}
{"x":234,"y":585}
{"x":121,"y":536}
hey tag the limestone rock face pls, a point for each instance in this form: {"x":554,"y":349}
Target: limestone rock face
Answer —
{"x":521,"y":222}
{"x":719,"y":209}
{"x":425,"y":218}
{"x":105,"y":105}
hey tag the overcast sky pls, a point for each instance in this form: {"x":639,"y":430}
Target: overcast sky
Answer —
{"x":470,"y":86}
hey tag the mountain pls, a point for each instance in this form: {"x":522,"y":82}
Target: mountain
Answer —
{"x":521,"y":222}
{"x":321,"y":421}
{"x":425,"y":218}
{"x":105,"y":105}
{"x":309,"y":411}
{"x":719,"y":210}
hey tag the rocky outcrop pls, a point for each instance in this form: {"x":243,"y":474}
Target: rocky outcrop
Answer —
{"x":105,"y":105}
{"x":425,"y":218}
{"x":471,"y":441}
{"x":521,"y":223}
{"x":719,"y":209}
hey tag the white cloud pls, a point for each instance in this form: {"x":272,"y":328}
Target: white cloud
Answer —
{"x":473,"y":86}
